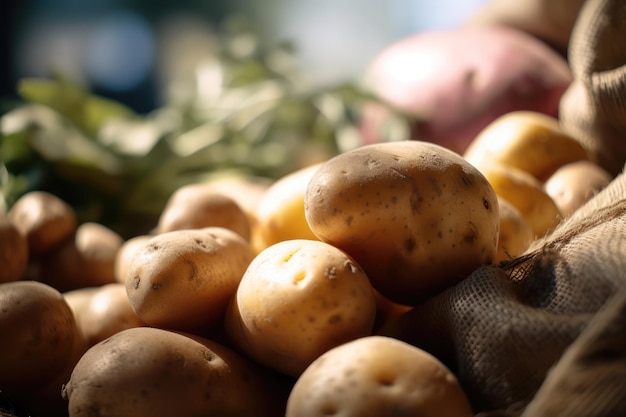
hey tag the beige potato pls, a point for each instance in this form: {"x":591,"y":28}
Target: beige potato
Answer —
{"x":184,"y":279}
{"x":88,"y":260}
{"x":417,"y":217}
{"x":154,"y":372}
{"x":280,"y":213}
{"x":125,"y":254}
{"x":516,"y":235}
{"x":196,"y":206}
{"x":377,"y":376}
{"x":44,"y":219}
{"x":530,"y":141}
{"x":103,"y":311}
{"x":575,"y":183}
{"x":526,"y":194}
{"x":297,"y":299}
{"x":13,"y":251}
{"x":37,"y":329}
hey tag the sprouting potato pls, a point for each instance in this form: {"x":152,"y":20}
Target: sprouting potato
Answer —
{"x":184,"y":279}
{"x":44,"y":219}
{"x":13,"y":251}
{"x":280,"y":212}
{"x":530,"y":141}
{"x":153,"y":372}
{"x":417,"y":217}
{"x":38,"y":331}
{"x":297,"y":299}
{"x":195,"y":206}
{"x":575,"y":183}
{"x":377,"y":376}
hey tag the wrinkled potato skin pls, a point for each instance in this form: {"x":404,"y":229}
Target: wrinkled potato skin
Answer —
{"x":196,"y":206}
{"x":297,"y":299}
{"x":184,"y":279}
{"x":377,"y":376}
{"x":403,"y":211}
{"x":13,"y":251}
{"x":38,"y":331}
{"x":154,"y":372}
{"x":44,"y":219}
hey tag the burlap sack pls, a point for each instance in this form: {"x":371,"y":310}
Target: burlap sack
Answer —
{"x":593,"y":109}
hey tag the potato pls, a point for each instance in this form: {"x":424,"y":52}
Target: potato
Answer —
{"x":417,"y":217}
{"x":13,"y":251}
{"x":575,"y":183}
{"x":102,"y":311}
{"x":195,"y":206}
{"x":280,"y":213}
{"x":184,"y":279}
{"x":526,"y":194}
{"x":530,"y":141}
{"x":37,"y":329}
{"x":377,"y":376}
{"x":86,"y":261}
{"x":125,"y":253}
{"x":297,"y":299}
{"x":516,"y":235}
{"x":154,"y":372}
{"x":44,"y":219}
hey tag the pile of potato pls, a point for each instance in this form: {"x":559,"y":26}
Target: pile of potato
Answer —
{"x":258,"y":298}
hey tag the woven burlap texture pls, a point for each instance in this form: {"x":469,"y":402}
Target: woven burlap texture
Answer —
{"x":593,"y":109}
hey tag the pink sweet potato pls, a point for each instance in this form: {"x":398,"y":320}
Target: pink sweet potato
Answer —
{"x":458,"y":81}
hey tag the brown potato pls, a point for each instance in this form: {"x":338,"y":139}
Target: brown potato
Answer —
{"x":13,"y":251}
{"x":417,"y":217}
{"x":516,"y":235}
{"x":196,"y":206}
{"x":530,"y":141}
{"x":38,"y":331}
{"x":297,"y":299}
{"x":125,"y":254}
{"x":44,"y":219}
{"x":184,"y":279}
{"x":154,"y":372}
{"x":574,"y":184}
{"x":86,"y":261}
{"x":377,"y":376}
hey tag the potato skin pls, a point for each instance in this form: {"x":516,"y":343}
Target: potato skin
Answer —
{"x":516,"y":234}
{"x":297,"y":299}
{"x":13,"y":251}
{"x":154,"y":372}
{"x":184,"y":279}
{"x":417,"y":217}
{"x":377,"y":376}
{"x":38,"y":331}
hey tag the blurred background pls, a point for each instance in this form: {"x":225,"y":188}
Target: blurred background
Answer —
{"x":129,"y":49}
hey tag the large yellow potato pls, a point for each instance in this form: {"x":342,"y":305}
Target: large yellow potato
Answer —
{"x":125,"y":254}
{"x":297,"y":299}
{"x":184,"y":279}
{"x":37,"y":330}
{"x":377,"y":376}
{"x":417,"y":217}
{"x":280,"y":212}
{"x":526,"y":194}
{"x":154,"y":372}
{"x":531,"y":141}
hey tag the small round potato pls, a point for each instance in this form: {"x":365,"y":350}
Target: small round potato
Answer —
{"x":154,"y":372}
{"x":86,"y":261}
{"x":280,"y":213}
{"x":574,"y":184}
{"x":13,"y":251}
{"x":416,"y":216}
{"x":196,"y":206}
{"x":516,"y":235}
{"x":297,"y":299}
{"x":38,"y":331}
{"x":44,"y":219}
{"x":377,"y":376}
{"x":184,"y":279}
